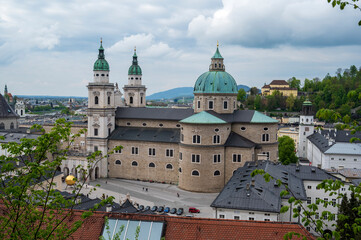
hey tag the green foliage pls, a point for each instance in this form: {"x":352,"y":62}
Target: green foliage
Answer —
{"x":343,"y":4}
{"x":241,"y":96}
{"x":286,"y":150}
{"x":31,"y":207}
{"x":348,"y":224}
{"x":294,"y":83}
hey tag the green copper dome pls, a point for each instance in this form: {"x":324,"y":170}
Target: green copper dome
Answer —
{"x":215,"y":82}
{"x":101,"y":64}
{"x":135,"y":69}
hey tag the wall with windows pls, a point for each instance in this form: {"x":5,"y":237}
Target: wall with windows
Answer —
{"x":205,"y":133}
{"x":257,"y":132}
{"x":232,"y":157}
{"x":224,"y":213}
{"x":147,"y":123}
{"x":200,"y":170}
{"x":153,"y":161}
{"x":226,"y":103}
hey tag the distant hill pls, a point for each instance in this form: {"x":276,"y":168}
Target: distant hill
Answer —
{"x":180,"y":92}
{"x":47,"y":97}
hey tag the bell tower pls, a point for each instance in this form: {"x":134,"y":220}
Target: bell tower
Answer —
{"x":306,"y":128}
{"x":134,"y":91}
{"x":101,"y":109}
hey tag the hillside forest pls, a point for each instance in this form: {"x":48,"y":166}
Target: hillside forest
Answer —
{"x":333,"y":95}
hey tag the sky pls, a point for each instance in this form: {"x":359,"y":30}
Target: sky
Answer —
{"x":49,"y":47}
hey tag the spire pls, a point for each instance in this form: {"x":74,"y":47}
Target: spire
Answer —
{"x":6,"y":89}
{"x":135,"y":57}
{"x":101,"y":64}
{"x":101,"y":50}
{"x":217,"y":54}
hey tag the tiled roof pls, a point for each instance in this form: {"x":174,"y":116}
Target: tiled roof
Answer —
{"x":184,"y":228}
{"x":5,"y":110}
{"x":176,"y":114}
{"x":279,"y":82}
{"x":240,"y":193}
{"x":235,"y":140}
{"x":262,"y":118}
{"x":345,"y":148}
{"x":169,"y":135}
{"x":203,"y":118}
{"x":319,"y":141}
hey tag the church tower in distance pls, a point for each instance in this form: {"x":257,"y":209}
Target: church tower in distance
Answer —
{"x":134,"y":92}
{"x":306,"y":128}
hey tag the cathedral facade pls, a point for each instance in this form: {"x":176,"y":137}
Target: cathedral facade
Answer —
{"x":198,"y":149}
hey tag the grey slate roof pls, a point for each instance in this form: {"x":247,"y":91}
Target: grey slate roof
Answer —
{"x":5,"y":110}
{"x":265,"y":196}
{"x":153,"y":113}
{"x":319,"y":141}
{"x":235,"y":140}
{"x":177,"y":114}
{"x":127,"y":207}
{"x":168,"y":135}
{"x":10,"y":136}
{"x":340,"y":135}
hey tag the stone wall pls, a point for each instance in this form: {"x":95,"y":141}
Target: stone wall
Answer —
{"x":159,"y":173}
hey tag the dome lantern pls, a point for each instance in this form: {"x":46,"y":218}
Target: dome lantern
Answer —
{"x":101,"y":64}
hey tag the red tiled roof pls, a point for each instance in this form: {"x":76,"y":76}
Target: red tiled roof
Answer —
{"x":279,"y":82}
{"x":266,"y":86}
{"x":184,"y":228}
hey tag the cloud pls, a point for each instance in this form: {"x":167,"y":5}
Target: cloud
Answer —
{"x":263,"y":23}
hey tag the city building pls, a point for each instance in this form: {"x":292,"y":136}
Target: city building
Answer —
{"x":332,"y":149}
{"x":254,"y":199}
{"x":279,"y":85}
{"x":306,"y":129}
{"x":198,"y":149}
{"x":291,"y":132}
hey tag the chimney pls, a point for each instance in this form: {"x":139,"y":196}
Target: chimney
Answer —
{"x":247,"y":186}
{"x":78,"y":200}
{"x":108,"y":207}
{"x":253,"y":182}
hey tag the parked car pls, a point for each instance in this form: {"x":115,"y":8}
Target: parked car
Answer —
{"x":141,"y":207}
{"x":193,"y":210}
{"x":180,"y":211}
{"x":166,"y":210}
{"x":147,"y":208}
{"x":154,"y":208}
{"x":160,"y":209}
{"x":173,"y":211}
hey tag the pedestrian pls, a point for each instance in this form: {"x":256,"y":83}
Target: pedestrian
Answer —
{"x":177,"y":194}
{"x":143,"y":188}
{"x":146,"y":189}
{"x":106,"y":182}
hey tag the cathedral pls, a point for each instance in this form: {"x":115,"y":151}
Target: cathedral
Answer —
{"x":198,"y":149}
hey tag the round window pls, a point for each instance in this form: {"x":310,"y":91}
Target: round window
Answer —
{"x":216,"y":130}
{"x":266,"y":128}
{"x":243,"y":128}
{"x":144,"y":124}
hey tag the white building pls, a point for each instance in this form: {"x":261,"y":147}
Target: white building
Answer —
{"x":247,"y":198}
{"x":329,"y":149}
{"x":306,"y":128}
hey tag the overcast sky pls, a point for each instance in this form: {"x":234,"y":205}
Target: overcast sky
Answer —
{"x":49,"y":47}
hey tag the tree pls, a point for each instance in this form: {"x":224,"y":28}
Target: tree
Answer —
{"x":241,"y":96}
{"x":254,"y":91}
{"x":343,"y":4}
{"x":286,"y":150}
{"x":290,"y":102}
{"x":31,"y":207}
{"x":294,"y":83}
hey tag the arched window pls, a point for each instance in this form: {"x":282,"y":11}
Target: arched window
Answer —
{"x":131,"y":100}
{"x":12,"y":125}
{"x":96,"y":100}
{"x":135,"y":163}
{"x":216,"y":139}
{"x":151,"y":165}
{"x":219,"y":65}
{"x":195,"y":173}
{"x":2,"y":126}
{"x":169,"y":166}
{"x":215,"y":65}
{"x":180,"y":170}
{"x":265,"y":137}
{"x":196,"y":139}
{"x":217,"y":173}
{"x":118,"y":162}
{"x":108,"y":100}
